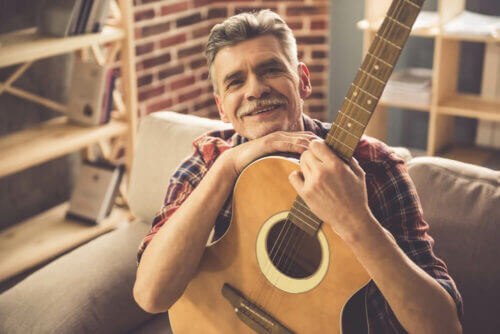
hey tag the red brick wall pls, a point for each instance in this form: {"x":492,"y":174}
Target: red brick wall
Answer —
{"x":170,"y":39}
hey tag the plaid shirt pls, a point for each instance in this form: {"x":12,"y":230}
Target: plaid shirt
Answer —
{"x":391,"y":195}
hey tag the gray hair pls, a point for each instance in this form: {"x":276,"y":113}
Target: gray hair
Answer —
{"x":244,"y":26}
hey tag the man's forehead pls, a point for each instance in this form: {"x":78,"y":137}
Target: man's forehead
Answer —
{"x":256,"y":51}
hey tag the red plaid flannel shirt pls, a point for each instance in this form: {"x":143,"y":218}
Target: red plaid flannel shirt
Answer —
{"x":392,"y":199}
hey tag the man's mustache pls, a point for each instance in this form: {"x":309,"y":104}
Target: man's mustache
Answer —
{"x":261,"y":104}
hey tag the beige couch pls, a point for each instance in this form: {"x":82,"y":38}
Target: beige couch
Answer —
{"x":90,"y":289}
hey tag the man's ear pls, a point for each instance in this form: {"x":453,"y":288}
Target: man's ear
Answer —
{"x":305,"y":87}
{"x":222,"y":114}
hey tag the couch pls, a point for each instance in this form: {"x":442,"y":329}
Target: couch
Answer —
{"x":89,"y":290}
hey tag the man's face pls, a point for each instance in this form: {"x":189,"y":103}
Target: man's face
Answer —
{"x":259,"y":91}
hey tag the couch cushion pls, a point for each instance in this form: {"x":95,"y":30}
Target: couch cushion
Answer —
{"x":164,"y":140}
{"x":461,"y":203}
{"x":86,"y":291}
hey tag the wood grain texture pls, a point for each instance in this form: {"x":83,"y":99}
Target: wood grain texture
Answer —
{"x":50,"y":140}
{"x":261,"y":191}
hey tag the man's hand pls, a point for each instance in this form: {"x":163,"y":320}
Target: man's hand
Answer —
{"x":334,"y":191}
{"x":242,"y":155}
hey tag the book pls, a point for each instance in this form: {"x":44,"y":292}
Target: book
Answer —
{"x":101,"y":15}
{"x":74,"y":19}
{"x":83,"y":17}
{"x":86,"y":93}
{"x":94,"y":192}
{"x":58,"y":17}
{"x":94,"y":11}
{"x":110,"y":97}
{"x":107,"y":101}
{"x":411,"y":85}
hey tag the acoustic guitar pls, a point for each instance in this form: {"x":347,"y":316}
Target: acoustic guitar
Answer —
{"x":278,"y":269}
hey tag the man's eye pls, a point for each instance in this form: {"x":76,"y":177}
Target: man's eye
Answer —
{"x":234,"y":82}
{"x":273,"y":70}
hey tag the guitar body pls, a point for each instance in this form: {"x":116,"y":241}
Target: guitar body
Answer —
{"x":312,"y":304}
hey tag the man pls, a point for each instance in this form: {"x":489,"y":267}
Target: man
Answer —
{"x":259,"y":87}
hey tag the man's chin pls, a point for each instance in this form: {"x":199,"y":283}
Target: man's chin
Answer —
{"x":266,"y":129}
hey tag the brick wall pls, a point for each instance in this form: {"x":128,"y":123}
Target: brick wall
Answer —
{"x":170,"y":40}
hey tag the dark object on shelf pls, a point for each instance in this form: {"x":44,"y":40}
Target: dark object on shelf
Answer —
{"x":95,"y":190}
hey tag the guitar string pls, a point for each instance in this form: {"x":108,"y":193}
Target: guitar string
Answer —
{"x":397,"y":10}
{"x":286,"y":224}
{"x":281,"y":237}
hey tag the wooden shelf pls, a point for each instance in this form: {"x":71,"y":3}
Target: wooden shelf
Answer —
{"x":471,"y":154}
{"x":373,"y":26}
{"x":25,"y":45}
{"x":471,"y":106}
{"x":431,"y":33}
{"x":412,"y":106}
{"x":50,"y":140}
{"x":47,"y":235}
{"x":470,"y":38}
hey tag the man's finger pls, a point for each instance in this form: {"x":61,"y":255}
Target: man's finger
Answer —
{"x":321,"y":150}
{"x":356,"y":168}
{"x":296,"y":179}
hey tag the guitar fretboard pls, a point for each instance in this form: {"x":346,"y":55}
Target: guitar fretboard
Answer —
{"x":364,"y":94}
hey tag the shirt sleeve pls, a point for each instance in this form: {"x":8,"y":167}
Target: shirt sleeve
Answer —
{"x":395,"y":204}
{"x":183,"y":182}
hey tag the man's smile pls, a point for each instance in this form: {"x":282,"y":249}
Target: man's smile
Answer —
{"x":263,"y":109}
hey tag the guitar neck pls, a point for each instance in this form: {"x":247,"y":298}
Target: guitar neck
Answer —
{"x":364,"y":94}
{"x":371,"y":78}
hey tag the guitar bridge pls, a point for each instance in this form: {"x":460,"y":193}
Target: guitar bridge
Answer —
{"x":251,"y":315}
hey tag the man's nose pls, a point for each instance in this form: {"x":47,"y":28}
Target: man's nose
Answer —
{"x":256,"y":88}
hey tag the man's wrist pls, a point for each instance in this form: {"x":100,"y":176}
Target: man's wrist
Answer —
{"x":225,"y":165}
{"x":360,"y":229}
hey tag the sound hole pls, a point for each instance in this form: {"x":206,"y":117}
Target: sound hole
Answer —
{"x":292,"y":251}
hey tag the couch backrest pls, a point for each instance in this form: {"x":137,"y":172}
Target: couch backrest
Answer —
{"x":164,"y":140}
{"x":461,"y":203}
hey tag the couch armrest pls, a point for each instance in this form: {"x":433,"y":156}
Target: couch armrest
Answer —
{"x":164,"y":140}
{"x":461,"y":203}
{"x":86,"y":291}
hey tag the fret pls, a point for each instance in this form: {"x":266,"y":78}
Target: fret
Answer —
{"x":360,"y":115}
{"x":383,"y":50}
{"x":314,"y":221}
{"x":306,"y":216}
{"x":357,"y":105}
{"x":380,"y":59}
{"x":340,"y":112}
{"x":394,"y":33}
{"x":364,"y":91}
{"x":419,"y":3}
{"x":330,"y":137}
{"x":303,"y":204}
{"x":391,"y":43}
{"x":350,"y":125}
{"x":413,"y":4}
{"x":400,"y":23}
{"x":343,"y":137}
{"x":369,"y":84}
{"x":383,"y":70}
{"x":372,"y":76}
{"x":404,"y":14}
{"x":302,"y":221}
{"x":345,"y":130}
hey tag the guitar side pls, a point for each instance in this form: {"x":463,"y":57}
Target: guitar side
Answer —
{"x":263,"y":190}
